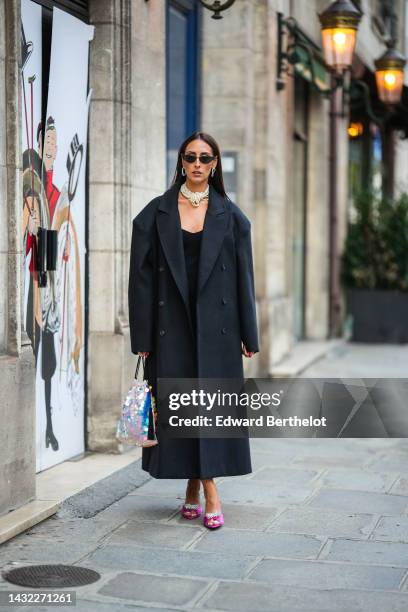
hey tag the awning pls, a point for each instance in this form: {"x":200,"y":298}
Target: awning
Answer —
{"x":308,"y":60}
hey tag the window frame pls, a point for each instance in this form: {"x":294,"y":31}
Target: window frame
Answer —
{"x":77,"y":8}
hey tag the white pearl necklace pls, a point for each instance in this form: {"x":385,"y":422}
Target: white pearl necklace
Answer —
{"x":194,"y":197}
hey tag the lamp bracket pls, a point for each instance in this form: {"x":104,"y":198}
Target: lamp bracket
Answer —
{"x":380,"y":120}
{"x":217,"y":6}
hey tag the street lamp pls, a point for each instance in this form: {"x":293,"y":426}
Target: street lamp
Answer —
{"x":389,"y":76}
{"x":217,"y":6}
{"x":339,"y":25}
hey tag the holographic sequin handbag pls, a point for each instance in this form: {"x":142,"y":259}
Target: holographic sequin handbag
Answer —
{"x":138,"y":406}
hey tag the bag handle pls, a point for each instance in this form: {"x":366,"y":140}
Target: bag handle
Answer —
{"x":140,"y":358}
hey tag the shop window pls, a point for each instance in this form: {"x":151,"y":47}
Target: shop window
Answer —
{"x":366,"y":159}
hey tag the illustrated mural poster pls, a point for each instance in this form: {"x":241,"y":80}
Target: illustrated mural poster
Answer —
{"x":59,"y":185}
{"x":31,"y":51}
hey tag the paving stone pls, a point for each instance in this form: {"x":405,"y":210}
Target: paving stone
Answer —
{"x":303,"y":451}
{"x":146,"y":588}
{"x":334,"y":447}
{"x":171,"y":487}
{"x":390,"y":462}
{"x":279,"y":475}
{"x":185,"y":563}
{"x":248,"y":517}
{"x":137,"y":507}
{"x":359,"y":501}
{"x":46,"y":551}
{"x":400,"y":487}
{"x":262,"y":494}
{"x":391,"y":528}
{"x":233,"y":542}
{"x":380,"y":553}
{"x":378,"y":445}
{"x":312,"y":521}
{"x":327,"y":460}
{"x":362,"y":480}
{"x":261,"y":460}
{"x":153,"y":534}
{"x":241,"y":597}
{"x":324,"y":575}
{"x":277,"y":446}
{"x":68,"y":528}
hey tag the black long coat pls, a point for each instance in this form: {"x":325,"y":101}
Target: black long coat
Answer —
{"x":160,"y":320}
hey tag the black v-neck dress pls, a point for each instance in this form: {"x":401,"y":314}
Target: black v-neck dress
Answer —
{"x":192,"y":244}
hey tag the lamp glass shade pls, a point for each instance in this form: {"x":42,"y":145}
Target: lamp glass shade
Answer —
{"x":338,"y":47}
{"x":389,"y":85}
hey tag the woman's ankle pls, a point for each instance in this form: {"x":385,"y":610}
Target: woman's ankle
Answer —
{"x":212,"y":498}
{"x":193,"y":491}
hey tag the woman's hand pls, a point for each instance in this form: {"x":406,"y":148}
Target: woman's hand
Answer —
{"x":246,"y":352}
{"x":145,"y":354}
{"x":33,"y":222}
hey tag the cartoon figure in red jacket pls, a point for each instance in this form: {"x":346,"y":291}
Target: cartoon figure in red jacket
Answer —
{"x":47,"y":206}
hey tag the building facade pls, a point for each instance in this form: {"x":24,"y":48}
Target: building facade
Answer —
{"x":158,"y":70}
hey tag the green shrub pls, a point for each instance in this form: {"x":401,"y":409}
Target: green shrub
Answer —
{"x":376,"y":248}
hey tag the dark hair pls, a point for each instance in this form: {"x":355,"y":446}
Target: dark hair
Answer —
{"x":50,"y":125}
{"x":217,"y":180}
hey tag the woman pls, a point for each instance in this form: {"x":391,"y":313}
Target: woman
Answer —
{"x":192,"y":310}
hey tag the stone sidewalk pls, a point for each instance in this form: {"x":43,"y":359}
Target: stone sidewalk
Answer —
{"x":320,"y":525}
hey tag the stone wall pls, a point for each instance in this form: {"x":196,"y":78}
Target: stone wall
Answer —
{"x":17,"y":371}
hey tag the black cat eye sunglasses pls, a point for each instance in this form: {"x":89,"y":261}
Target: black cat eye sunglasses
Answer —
{"x":204,"y":158}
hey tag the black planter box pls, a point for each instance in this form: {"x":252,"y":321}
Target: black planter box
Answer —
{"x":379,"y":315}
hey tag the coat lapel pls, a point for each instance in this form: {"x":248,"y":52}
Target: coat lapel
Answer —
{"x":171,"y":238}
{"x":215,"y":227}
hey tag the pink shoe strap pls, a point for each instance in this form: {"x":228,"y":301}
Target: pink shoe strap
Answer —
{"x":210,"y":515}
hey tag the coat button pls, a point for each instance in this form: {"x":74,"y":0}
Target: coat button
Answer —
{"x":161,"y":268}
{"x":224,"y":330}
{"x":162,"y":332}
{"x":224,"y":300}
{"x":161,"y":303}
{"x":223,"y":267}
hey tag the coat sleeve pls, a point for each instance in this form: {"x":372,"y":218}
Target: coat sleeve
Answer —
{"x":246,"y":291}
{"x":141,"y":290}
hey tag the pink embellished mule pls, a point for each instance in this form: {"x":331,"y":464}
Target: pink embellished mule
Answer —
{"x":191,"y":511}
{"x":213,"y":520}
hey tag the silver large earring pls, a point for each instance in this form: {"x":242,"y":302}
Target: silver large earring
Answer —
{"x":213,"y":171}
{"x":183,"y":172}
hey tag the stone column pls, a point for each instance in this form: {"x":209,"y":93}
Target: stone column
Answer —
{"x":126,"y":169}
{"x":17,"y":370}
{"x":109,"y":192}
{"x":278,"y":153}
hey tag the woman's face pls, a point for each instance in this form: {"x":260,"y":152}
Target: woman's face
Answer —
{"x":197,"y":171}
